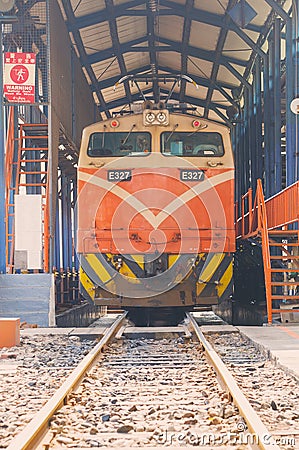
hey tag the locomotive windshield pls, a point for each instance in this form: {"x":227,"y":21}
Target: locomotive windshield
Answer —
{"x":192,"y":144}
{"x":126,"y":143}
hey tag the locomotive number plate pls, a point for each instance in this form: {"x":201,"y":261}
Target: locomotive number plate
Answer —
{"x":192,"y":175}
{"x":119,"y":175}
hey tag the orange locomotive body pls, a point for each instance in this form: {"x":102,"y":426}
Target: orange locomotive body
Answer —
{"x":156,"y":210}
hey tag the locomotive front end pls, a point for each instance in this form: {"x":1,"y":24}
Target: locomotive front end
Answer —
{"x":155,"y":211}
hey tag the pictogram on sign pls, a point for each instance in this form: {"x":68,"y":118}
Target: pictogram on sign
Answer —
{"x":19,"y":77}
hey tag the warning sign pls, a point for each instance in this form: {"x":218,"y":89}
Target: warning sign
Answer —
{"x":19,"y":77}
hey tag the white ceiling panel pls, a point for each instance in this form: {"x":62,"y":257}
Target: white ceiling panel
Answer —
{"x":199,"y":67}
{"x":106,"y":69}
{"x":171,"y":60}
{"x":130,"y":28}
{"x":216,"y":7}
{"x":224,"y":75}
{"x":203,"y":36}
{"x":96,"y":38}
{"x":167,"y":24}
{"x":84,"y":7}
{"x":191,"y":91}
{"x":135,"y":60}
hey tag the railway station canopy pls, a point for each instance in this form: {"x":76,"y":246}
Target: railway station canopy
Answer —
{"x":215,"y":42}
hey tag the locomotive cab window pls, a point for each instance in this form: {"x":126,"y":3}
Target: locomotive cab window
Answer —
{"x":192,"y":144}
{"x":119,"y":144}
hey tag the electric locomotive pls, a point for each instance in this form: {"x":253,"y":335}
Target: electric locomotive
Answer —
{"x":156,"y":210}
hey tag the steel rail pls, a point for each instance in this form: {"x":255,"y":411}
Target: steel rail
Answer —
{"x":262,"y":437}
{"x":30,"y":436}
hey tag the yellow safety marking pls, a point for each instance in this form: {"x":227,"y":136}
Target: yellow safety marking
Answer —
{"x":98,"y":267}
{"x":87,"y":283}
{"x":127,"y":272}
{"x":172,"y":260}
{"x":139,"y":259}
{"x":209,"y":271}
{"x":225,"y":280}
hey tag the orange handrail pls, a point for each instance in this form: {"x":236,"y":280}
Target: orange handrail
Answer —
{"x":276,"y":212}
{"x":262,"y":228}
{"x":282,"y":209}
{"x":9,"y":152}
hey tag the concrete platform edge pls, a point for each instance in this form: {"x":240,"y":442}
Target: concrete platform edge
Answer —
{"x":269,"y":353}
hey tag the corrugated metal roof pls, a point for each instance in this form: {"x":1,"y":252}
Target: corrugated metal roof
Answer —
{"x":199,"y":38}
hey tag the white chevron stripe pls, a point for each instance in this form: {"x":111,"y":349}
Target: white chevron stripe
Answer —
{"x":141,"y":208}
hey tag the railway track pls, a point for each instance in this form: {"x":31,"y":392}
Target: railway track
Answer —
{"x":148,"y":393}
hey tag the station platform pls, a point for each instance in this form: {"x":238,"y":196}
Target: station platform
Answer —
{"x":281,"y":343}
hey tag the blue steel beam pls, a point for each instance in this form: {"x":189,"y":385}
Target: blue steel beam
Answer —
{"x":292,"y":125}
{"x":83,"y":56}
{"x":171,"y":8}
{"x":257,"y":100}
{"x":201,"y":81}
{"x":292,"y":159}
{"x":116,"y":45}
{"x":152,"y":16}
{"x":267,"y":125}
{"x":169,"y":46}
{"x":196,"y":101}
{"x":277,"y":104}
{"x":218,"y":52}
{"x":57,"y":262}
{"x":247,"y":39}
{"x":124,"y":101}
{"x":185,"y":39}
{"x":246,"y":142}
{"x":278,"y":9}
{"x":237,"y":74}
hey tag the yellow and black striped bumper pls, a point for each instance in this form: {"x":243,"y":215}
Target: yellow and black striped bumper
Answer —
{"x":203,"y":280}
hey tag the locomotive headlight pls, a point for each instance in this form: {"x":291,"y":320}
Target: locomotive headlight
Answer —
{"x":161,"y":117}
{"x":150,"y":117}
{"x":155,"y":117}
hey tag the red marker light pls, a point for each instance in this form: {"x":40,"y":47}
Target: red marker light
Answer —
{"x":196,"y":123}
{"x":114,"y":123}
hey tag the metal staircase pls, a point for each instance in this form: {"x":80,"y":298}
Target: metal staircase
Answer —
{"x":274,"y":224}
{"x":27,"y":173}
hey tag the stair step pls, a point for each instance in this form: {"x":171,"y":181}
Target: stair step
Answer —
{"x":285,"y":311}
{"x":283,"y":244}
{"x":282,"y":297}
{"x":25,"y":149}
{"x":33,"y":184}
{"x":286,"y":257}
{"x":286,"y":283}
{"x":283,"y":232}
{"x":33,"y":173}
{"x":32,"y":160}
{"x":284,"y":270}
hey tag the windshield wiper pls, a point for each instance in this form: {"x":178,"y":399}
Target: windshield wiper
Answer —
{"x":171,"y":133}
{"x":103,"y":138}
{"x":128,"y":135}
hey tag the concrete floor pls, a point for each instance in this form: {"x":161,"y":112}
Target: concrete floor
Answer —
{"x":282,"y":343}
